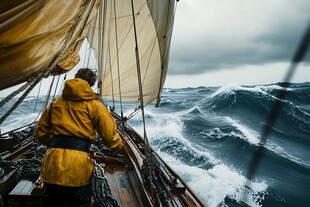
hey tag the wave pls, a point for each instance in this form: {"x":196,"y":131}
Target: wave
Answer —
{"x":218,"y":183}
{"x":198,"y":166}
{"x":213,"y":180}
{"x":249,"y":135}
{"x":227,"y":123}
{"x":17,"y":121}
{"x":209,"y":135}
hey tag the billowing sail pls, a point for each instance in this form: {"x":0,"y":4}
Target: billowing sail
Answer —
{"x":116,"y":48}
{"x":41,"y":36}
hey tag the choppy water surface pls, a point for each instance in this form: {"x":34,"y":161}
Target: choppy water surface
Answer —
{"x":209,"y":135}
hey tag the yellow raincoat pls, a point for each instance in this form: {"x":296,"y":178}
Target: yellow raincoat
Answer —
{"x":76,"y":113}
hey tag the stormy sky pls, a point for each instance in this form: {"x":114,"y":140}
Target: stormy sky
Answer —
{"x":218,"y":42}
{"x":239,"y":42}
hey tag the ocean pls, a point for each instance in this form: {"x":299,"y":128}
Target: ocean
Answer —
{"x":209,"y":135}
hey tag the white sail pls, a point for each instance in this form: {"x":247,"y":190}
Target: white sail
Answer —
{"x":46,"y":35}
{"x":115,"y":50}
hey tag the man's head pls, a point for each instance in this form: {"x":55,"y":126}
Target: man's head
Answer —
{"x":88,"y":75}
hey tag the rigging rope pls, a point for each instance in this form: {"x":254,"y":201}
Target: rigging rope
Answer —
{"x":13,"y":94}
{"x":101,"y":32}
{"x":62,"y":84}
{"x":139,"y":75}
{"x":48,"y":94}
{"x":113,"y":98}
{"x":92,"y":41}
{"x":276,"y":107}
{"x":117,"y":55}
{"x":16,"y":104}
{"x":90,"y":44}
{"x":29,"y":168}
{"x":101,"y":189}
{"x":148,"y":155}
{"x":163,"y":58}
{"x":100,"y":47}
{"x":45,"y":103}
{"x":56,"y":87}
{"x":35,"y":108}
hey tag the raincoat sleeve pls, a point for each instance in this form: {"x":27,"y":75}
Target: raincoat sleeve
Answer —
{"x":44,"y":128}
{"x":106,"y":128}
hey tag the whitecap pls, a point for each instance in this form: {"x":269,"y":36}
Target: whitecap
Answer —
{"x":249,"y":135}
{"x":219,"y":182}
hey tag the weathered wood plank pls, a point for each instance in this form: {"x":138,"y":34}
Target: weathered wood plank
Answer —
{"x":120,"y":186}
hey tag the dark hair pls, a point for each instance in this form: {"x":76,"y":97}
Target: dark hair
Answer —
{"x":88,"y":75}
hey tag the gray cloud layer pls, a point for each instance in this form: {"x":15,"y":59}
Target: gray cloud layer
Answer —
{"x":213,"y":35}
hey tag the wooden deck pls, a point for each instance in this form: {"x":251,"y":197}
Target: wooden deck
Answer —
{"x":120,"y":185}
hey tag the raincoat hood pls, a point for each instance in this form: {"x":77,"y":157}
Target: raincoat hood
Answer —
{"x":78,"y":89}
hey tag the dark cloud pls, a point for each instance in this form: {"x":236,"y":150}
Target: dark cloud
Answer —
{"x":209,"y":52}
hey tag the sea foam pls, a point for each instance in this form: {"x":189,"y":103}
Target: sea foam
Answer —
{"x":219,"y":182}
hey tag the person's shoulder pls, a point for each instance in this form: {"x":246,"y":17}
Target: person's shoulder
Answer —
{"x":57,"y":100}
{"x":96,"y":103}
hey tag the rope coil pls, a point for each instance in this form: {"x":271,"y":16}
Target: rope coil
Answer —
{"x":101,"y":190}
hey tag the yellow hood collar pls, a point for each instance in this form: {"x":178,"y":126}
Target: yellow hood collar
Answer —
{"x":78,"y":89}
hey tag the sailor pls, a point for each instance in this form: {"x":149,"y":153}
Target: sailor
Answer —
{"x":68,"y":127}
